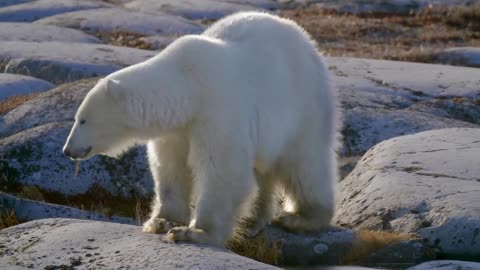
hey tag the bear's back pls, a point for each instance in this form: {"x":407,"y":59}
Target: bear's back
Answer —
{"x":255,"y":26}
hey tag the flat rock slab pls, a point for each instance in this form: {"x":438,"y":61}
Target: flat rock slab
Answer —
{"x":38,"y":33}
{"x":95,"y":244}
{"x":192,"y":9}
{"x":384,"y":99}
{"x":446,"y":265}
{"x":31,"y":11}
{"x":59,"y":62}
{"x":426,"y":183}
{"x":15,"y":84}
{"x":32,"y":210}
{"x":121,"y":20}
{"x":464,"y":56}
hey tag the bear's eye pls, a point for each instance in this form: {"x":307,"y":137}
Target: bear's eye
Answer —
{"x":82,"y":121}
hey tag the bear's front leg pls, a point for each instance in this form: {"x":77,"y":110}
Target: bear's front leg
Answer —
{"x":224,"y":183}
{"x":171,"y":205}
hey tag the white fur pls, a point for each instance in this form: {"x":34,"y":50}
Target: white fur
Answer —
{"x":242,"y":109}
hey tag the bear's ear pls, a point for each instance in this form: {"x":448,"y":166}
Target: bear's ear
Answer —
{"x":114,"y":89}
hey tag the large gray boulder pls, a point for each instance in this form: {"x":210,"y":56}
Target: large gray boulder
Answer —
{"x":427,"y":183}
{"x":121,"y":20}
{"x":38,"y":33}
{"x":34,"y":10}
{"x":34,"y":134}
{"x":15,"y":84}
{"x":50,"y":243}
{"x":35,"y":155}
{"x":59,"y":62}
{"x":385,"y":99}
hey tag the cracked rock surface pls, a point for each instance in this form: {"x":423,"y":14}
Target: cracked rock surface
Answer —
{"x":426,"y":183}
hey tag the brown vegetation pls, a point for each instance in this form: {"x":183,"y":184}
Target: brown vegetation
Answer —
{"x":406,"y":37}
{"x":7,"y":219}
{"x":13,"y":102}
{"x":258,"y":248}
{"x":369,"y":241}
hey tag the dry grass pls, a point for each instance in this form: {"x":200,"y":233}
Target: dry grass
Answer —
{"x":99,"y":200}
{"x":7,"y":219}
{"x":96,"y":199}
{"x":412,"y":37}
{"x":122,"y":38}
{"x":369,"y":241}
{"x":258,"y":248}
{"x":13,"y":102}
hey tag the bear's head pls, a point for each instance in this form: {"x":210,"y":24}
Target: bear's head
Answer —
{"x":101,"y":124}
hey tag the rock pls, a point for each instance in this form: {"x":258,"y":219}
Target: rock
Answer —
{"x":14,"y":85}
{"x":399,"y":254}
{"x":384,"y":99}
{"x":31,"y":11}
{"x":464,"y":56}
{"x":59,"y":62}
{"x":381,"y":6}
{"x":56,"y":105}
{"x":426,"y":183}
{"x":5,"y":3}
{"x":32,"y":210}
{"x":36,"y":132}
{"x":192,"y":9}
{"x":121,"y":20}
{"x":34,"y":157}
{"x":94,"y":244}
{"x":325,"y":248}
{"x":365,"y":127}
{"x":446,"y":265}
{"x":38,"y":33}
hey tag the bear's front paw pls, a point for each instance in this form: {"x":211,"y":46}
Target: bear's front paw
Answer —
{"x":186,"y":234}
{"x":158,"y":225}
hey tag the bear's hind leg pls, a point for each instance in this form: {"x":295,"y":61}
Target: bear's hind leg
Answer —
{"x":310,"y":194}
{"x":172,"y":179}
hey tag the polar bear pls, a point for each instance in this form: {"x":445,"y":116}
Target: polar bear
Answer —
{"x":230,"y":116}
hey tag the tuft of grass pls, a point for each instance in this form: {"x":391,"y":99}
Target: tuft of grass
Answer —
{"x":258,"y":248}
{"x":7,"y":219}
{"x":99,"y":200}
{"x":369,"y":241}
{"x":31,"y":193}
{"x":13,"y":102}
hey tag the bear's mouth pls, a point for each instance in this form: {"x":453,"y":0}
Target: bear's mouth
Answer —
{"x":81,"y":155}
